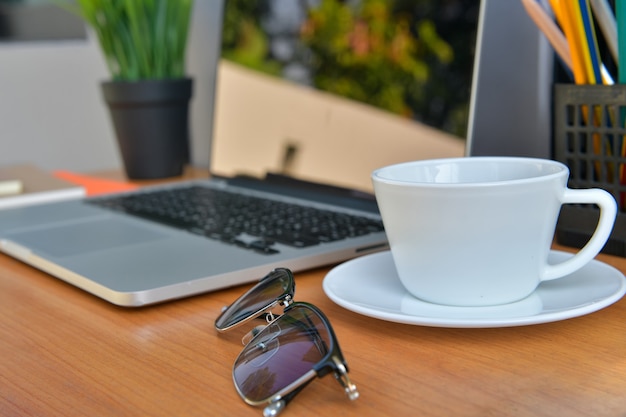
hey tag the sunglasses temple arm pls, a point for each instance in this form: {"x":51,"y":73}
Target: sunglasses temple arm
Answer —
{"x":276,"y":407}
{"x":341,"y":375}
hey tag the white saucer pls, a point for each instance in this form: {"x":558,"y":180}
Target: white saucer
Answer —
{"x":370,"y":286}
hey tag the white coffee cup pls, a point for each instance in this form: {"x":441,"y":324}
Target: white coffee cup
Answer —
{"x":477,"y":231}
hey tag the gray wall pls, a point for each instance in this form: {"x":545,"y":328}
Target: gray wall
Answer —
{"x":51,"y":109}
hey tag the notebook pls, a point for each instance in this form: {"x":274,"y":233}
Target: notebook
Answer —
{"x":173,"y":241}
{"x":34,"y":186}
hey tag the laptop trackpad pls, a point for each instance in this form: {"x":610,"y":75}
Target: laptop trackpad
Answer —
{"x":73,"y":239}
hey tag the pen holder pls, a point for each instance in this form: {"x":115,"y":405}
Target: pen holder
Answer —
{"x":590,"y":138}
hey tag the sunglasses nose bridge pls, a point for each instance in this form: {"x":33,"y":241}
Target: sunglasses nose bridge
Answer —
{"x":251,"y":334}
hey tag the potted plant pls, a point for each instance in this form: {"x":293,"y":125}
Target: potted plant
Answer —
{"x":144,"y":44}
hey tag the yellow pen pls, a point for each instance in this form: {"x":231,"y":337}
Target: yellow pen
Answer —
{"x":574,"y":41}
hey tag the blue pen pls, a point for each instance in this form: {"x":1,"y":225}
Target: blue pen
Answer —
{"x":591,"y":40}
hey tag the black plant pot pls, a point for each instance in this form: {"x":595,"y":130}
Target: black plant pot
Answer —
{"x":151,"y":120}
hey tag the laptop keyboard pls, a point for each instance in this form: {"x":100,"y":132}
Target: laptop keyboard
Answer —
{"x":250,"y":222}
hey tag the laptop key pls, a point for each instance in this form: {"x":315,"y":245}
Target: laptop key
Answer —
{"x":264,"y":246}
{"x":291,"y":238}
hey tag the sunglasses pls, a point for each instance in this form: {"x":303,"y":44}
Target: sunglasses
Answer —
{"x":282,"y":356}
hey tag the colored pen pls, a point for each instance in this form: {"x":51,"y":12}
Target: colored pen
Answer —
{"x":591,"y":42}
{"x":573,"y":35}
{"x":620,"y":15}
{"x":547,"y":26}
{"x":606,"y":21}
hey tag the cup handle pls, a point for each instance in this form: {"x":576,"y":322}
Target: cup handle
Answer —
{"x":608,"y":212}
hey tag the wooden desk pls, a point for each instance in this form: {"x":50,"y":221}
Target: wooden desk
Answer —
{"x":65,"y":352}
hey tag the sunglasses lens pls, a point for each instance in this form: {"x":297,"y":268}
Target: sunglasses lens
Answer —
{"x":281,"y":353}
{"x":256,"y":300}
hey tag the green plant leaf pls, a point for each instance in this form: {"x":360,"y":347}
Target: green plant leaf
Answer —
{"x":140,"y":39}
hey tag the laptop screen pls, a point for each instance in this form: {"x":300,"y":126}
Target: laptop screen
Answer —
{"x":330,"y":90}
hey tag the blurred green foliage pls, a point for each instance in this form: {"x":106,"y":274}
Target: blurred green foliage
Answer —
{"x":243,"y":41}
{"x":369,"y":54}
{"x":380,"y":52}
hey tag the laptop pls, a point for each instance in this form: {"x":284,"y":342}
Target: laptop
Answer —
{"x":147,"y":257}
{"x":304,"y":149}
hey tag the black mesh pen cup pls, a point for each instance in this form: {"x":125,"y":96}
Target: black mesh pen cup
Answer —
{"x":590,"y":138}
